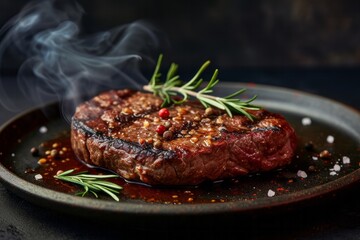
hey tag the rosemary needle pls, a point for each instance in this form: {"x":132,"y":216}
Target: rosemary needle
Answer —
{"x":173,"y":86}
{"x":91,"y":183}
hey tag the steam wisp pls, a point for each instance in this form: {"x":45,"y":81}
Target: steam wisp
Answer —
{"x":59,"y":60}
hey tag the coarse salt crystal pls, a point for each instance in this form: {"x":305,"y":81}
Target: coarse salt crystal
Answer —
{"x":306,"y":121}
{"x":315,"y":158}
{"x":13,"y":154}
{"x":330,"y":139}
{"x":43,"y":129}
{"x":301,"y":174}
{"x":345,"y":160}
{"x":38,"y":177}
{"x":337,"y":167}
{"x":332,"y":173}
{"x":271,"y":193}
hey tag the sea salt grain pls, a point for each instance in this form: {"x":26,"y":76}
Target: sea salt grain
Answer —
{"x":337,"y":167}
{"x":43,"y":129}
{"x":330,"y":139}
{"x":271,"y":193}
{"x":332,"y":173}
{"x":315,"y":158}
{"x":301,"y":174}
{"x":306,"y":121}
{"x":38,"y":177}
{"x":345,"y":160}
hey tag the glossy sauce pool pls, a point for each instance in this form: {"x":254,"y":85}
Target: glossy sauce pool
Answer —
{"x":310,"y":167}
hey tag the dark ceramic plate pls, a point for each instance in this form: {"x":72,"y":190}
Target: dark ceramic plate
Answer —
{"x":309,"y":177}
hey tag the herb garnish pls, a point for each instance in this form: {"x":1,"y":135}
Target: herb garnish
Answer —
{"x":173,"y":86}
{"x":91,"y":183}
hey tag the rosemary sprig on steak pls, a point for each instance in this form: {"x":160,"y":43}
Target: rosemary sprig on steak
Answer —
{"x":91,"y":183}
{"x":173,"y":86}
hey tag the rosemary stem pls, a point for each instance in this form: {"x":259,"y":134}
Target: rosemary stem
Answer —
{"x":91,"y":183}
{"x":178,"y":89}
{"x":147,"y":88}
{"x":173,"y":86}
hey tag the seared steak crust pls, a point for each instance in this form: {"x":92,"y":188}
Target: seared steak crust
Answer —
{"x":118,"y":130}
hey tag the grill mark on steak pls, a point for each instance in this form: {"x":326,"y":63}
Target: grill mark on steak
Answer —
{"x":146,"y":149}
{"x":117,"y":130}
{"x":271,"y":128}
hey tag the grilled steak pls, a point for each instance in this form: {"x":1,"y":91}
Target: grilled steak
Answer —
{"x":122,"y":131}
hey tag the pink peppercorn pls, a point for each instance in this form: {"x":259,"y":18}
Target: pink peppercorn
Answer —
{"x":164,"y":113}
{"x":160,"y":129}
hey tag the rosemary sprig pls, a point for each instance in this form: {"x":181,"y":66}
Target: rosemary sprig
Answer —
{"x":91,"y":183}
{"x":173,"y":86}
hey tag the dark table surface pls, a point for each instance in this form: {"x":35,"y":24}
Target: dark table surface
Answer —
{"x":334,"y":217}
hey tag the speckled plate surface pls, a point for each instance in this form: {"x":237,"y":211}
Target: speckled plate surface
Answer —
{"x":334,"y":127}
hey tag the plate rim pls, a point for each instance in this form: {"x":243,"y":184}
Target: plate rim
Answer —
{"x":46,"y":197}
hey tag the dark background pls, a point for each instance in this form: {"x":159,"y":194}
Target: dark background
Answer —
{"x":302,"y":44}
{"x":312,"y":46}
{"x":259,"y":33}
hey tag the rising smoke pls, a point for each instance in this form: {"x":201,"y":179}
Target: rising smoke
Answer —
{"x":59,"y":59}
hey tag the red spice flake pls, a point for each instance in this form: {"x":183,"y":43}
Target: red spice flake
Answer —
{"x":280,"y":189}
{"x":189,"y":192}
{"x":160,"y":129}
{"x":164,"y":113}
{"x":325,"y":154}
{"x":42,"y":161}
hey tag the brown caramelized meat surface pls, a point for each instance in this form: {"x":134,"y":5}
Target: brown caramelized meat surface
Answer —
{"x":119,"y":130}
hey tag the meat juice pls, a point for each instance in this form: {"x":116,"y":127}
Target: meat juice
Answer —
{"x":324,"y":154}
